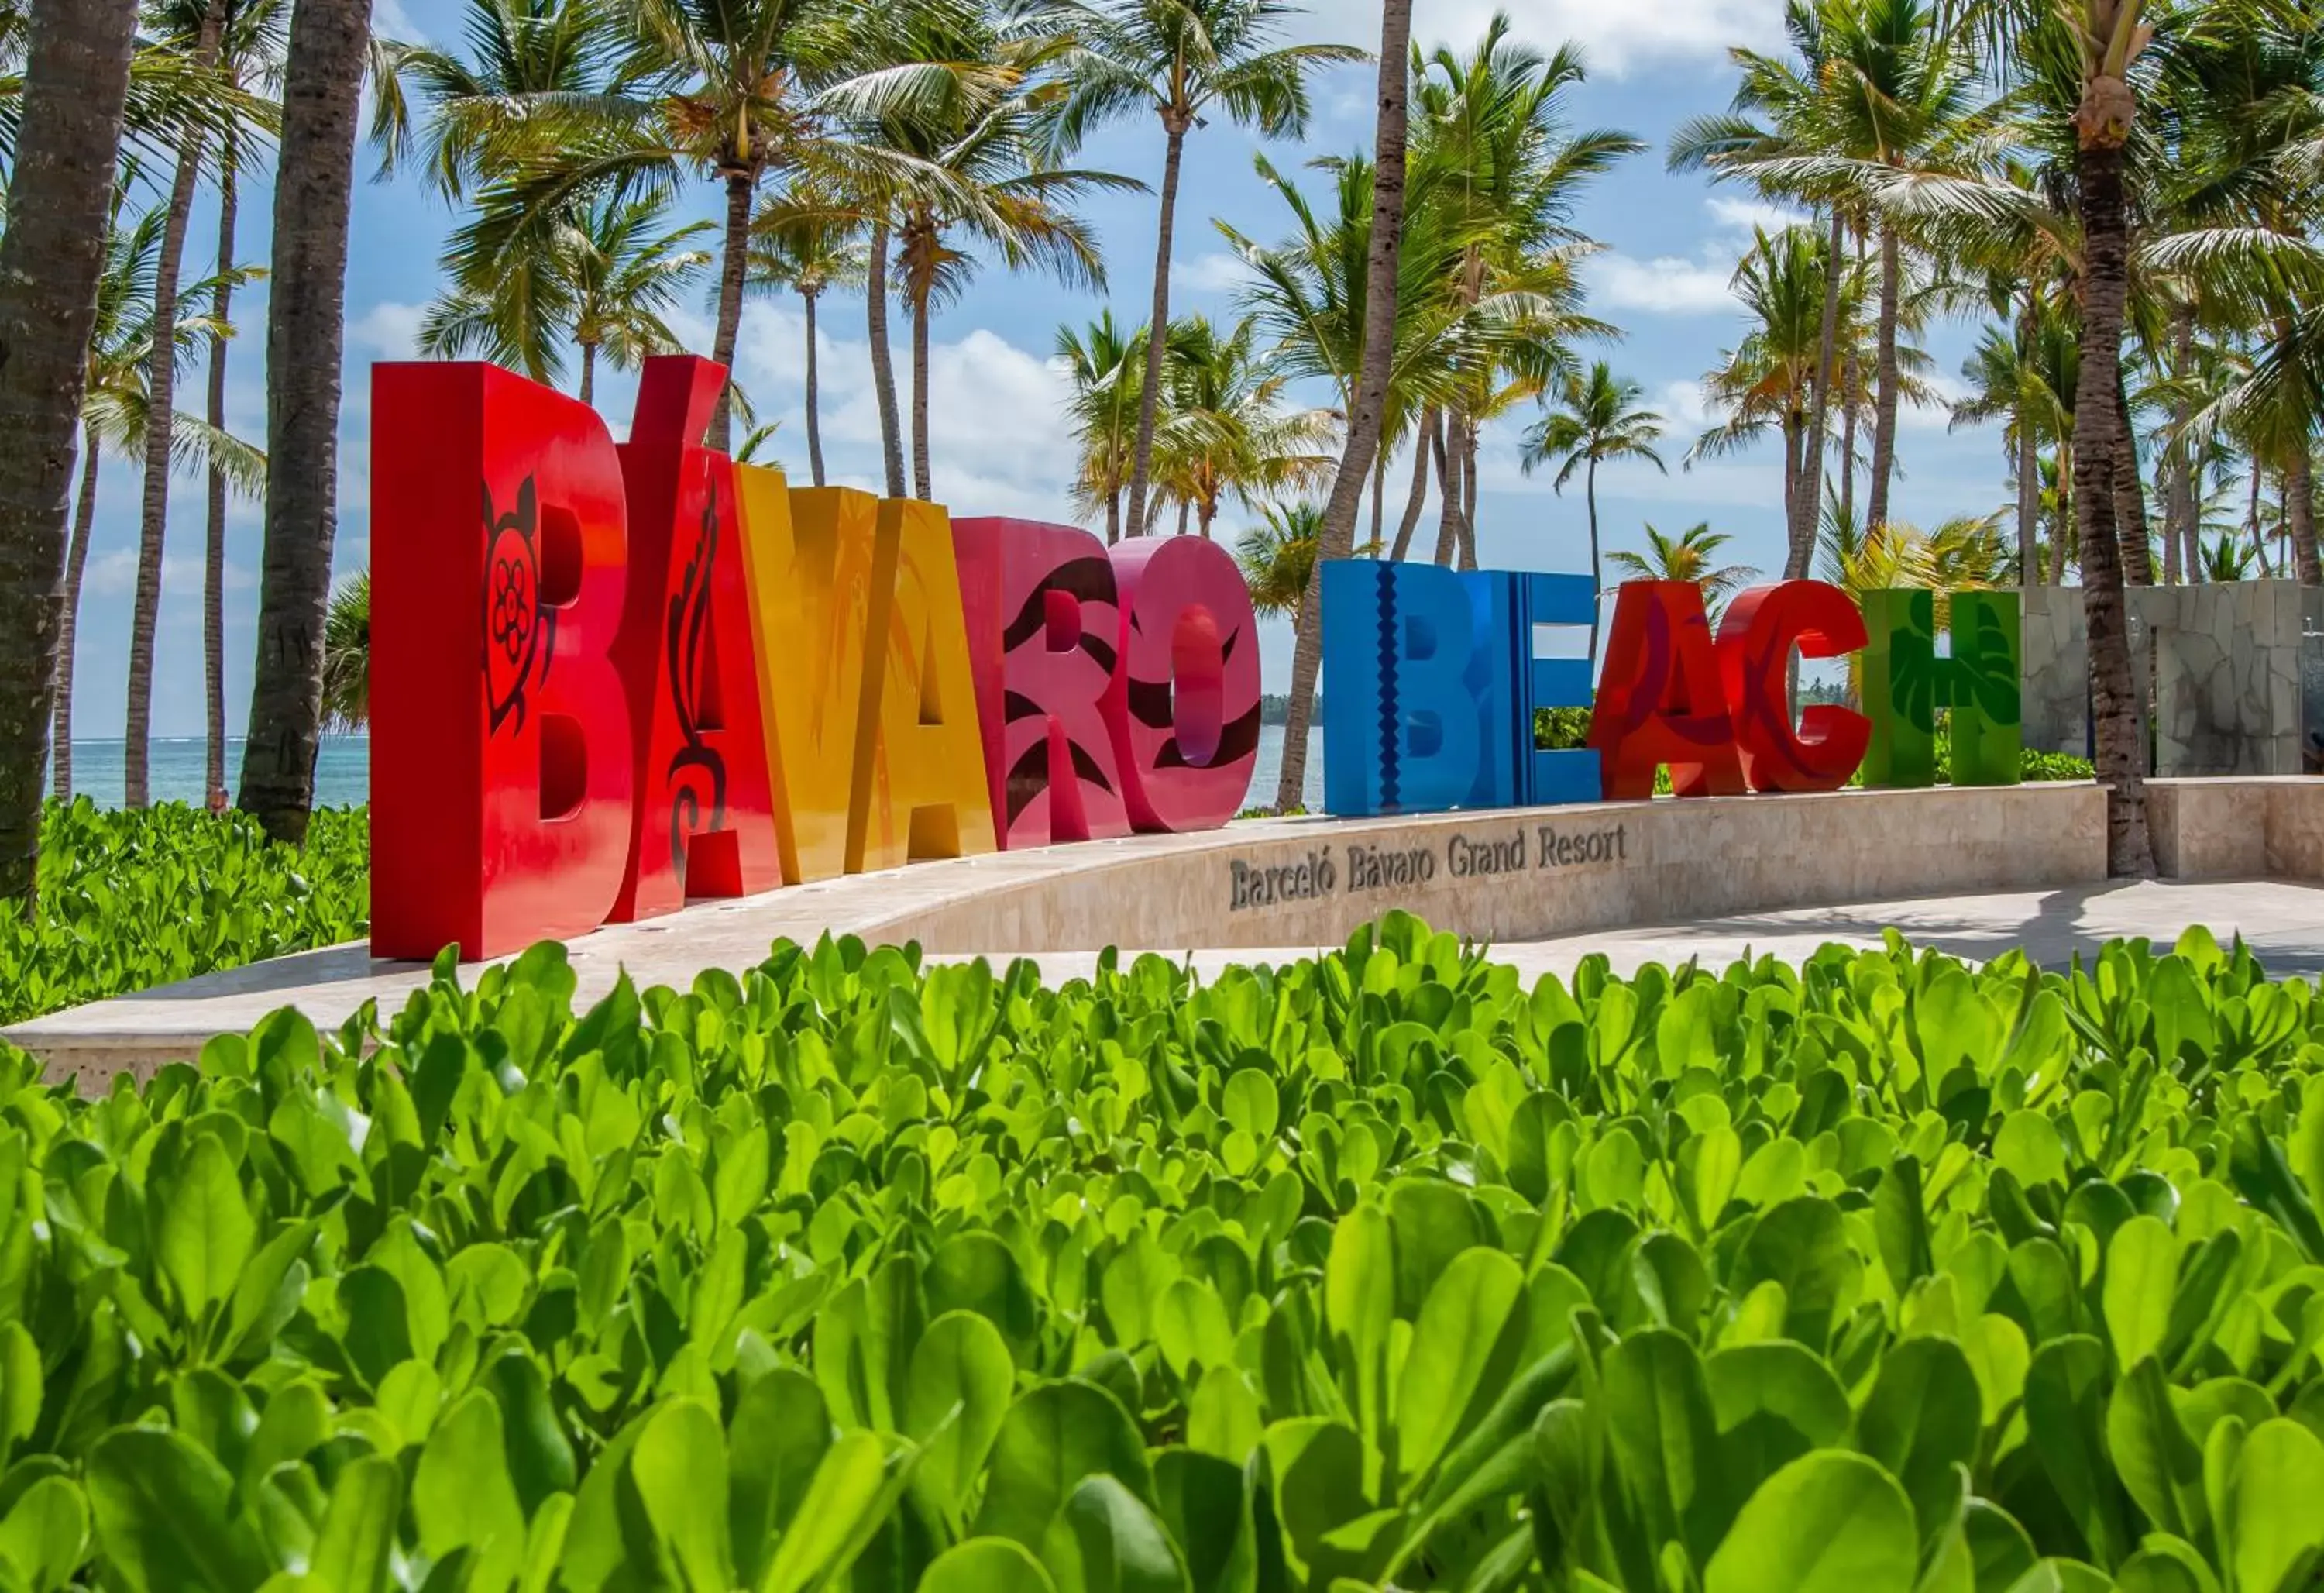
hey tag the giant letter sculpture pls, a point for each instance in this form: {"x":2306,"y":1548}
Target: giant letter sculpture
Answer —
{"x":500,"y":750}
{"x":1183,"y":705}
{"x":919,"y":761}
{"x":1043,"y":619}
{"x":704,"y":820}
{"x":1756,"y":639}
{"x":1660,"y":701}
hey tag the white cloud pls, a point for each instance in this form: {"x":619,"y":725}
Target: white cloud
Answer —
{"x":1666,"y":286}
{"x":1739,"y":216}
{"x":1215,"y":273}
{"x":113,"y":574}
{"x":1617,"y":37}
{"x":387,"y":330}
{"x":997,"y":440}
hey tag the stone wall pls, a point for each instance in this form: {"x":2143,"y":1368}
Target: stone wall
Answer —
{"x":2222,"y":664}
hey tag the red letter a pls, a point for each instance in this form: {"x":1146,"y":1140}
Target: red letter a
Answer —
{"x":1659,"y":701}
{"x":704,"y":815}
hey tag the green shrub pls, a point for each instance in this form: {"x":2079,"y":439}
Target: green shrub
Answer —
{"x":1879,"y":1275}
{"x":131,"y":899}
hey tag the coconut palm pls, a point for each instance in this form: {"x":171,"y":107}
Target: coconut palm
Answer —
{"x":1183,"y":61}
{"x":347,"y":656}
{"x":613,"y":271}
{"x":1229,"y":432}
{"x":249,"y":63}
{"x":1105,"y":368}
{"x":1278,"y":555}
{"x":75,"y":81}
{"x":306,"y":329}
{"x":117,"y":412}
{"x":1693,"y":555}
{"x":195,"y":29}
{"x":810,"y":242}
{"x":960,"y":108}
{"x":1495,"y":122}
{"x":2026,"y":378}
{"x":1375,"y":371}
{"x":2111,"y":35}
{"x":1597,"y":420}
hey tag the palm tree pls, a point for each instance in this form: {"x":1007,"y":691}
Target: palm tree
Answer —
{"x":305,"y":335}
{"x":2111,"y":34}
{"x":194,"y":28}
{"x":1183,"y":61}
{"x":1105,"y":368}
{"x":75,"y":80}
{"x":1369,"y":414}
{"x":2027,"y":378}
{"x":810,"y":243}
{"x":1597,"y":420}
{"x":964,"y":121}
{"x":1228,"y":432}
{"x":117,"y":413}
{"x":250,"y":57}
{"x":1690,"y":556}
{"x":1766,"y":382}
{"x":1278,"y":555}
{"x":347,"y":656}
{"x":613,"y":271}
{"x":1494,"y":121}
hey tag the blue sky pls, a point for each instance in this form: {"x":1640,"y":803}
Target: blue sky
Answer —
{"x":1670,"y":243}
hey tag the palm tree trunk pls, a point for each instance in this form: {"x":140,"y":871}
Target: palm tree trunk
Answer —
{"x":883,"y":363}
{"x":1884,"y":414}
{"x":1371,"y":386}
{"x":733,"y":267}
{"x":305,"y":332}
{"x":75,"y":76}
{"x":1795,"y":486}
{"x":1846,"y":443}
{"x":2299,"y":514}
{"x":1114,"y":519}
{"x":1469,"y":475}
{"x":588,"y":393}
{"x":60,"y":761}
{"x":162,"y":382}
{"x":2099,"y":437}
{"x":920,"y":399}
{"x":1203,"y":519}
{"x":2061,"y":527}
{"x":1449,"y":459}
{"x":814,"y":419}
{"x":1418,"y":501}
{"x":2130,"y":494}
{"x":214,"y":539}
{"x":2029,"y":459}
{"x":1597,"y":568}
{"x":1803,"y":514}
{"x":1182,"y":506}
{"x":1157,"y":335}
{"x":1379,"y":502}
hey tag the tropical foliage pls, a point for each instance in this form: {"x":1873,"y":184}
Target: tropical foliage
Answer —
{"x":131,"y":899}
{"x":1376,"y":1271}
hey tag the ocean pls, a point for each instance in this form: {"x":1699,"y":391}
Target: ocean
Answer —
{"x":174,"y":769}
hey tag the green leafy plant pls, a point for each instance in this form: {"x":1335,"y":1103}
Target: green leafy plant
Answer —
{"x":1375,"y":1271}
{"x":131,"y":899}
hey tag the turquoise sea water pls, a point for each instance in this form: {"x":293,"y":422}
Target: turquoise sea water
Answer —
{"x":343,"y":770}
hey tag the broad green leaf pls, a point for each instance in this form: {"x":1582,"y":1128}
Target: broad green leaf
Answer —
{"x":2141,"y":1272}
{"x":1051,"y":1439}
{"x":1828,"y":1522}
{"x":851,"y":1490}
{"x":355,"y":1551}
{"x":2276,"y":1527}
{"x":1106,"y":1540}
{"x":463,"y":1497}
{"x":45,"y":1533}
{"x":206,"y":1229}
{"x":1464,"y":1325}
{"x":955,"y":1400}
{"x":679,"y":1470}
{"x":986,"y":1565}
{"x":163,"y":1516}
{"x":1921,"y":1424}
